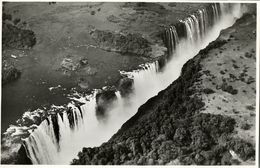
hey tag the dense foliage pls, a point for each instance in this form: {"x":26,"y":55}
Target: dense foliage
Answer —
{"x":168,"y":129}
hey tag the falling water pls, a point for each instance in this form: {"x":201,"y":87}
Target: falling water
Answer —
{"x":202,"y":22}
{"x":43,"y":146}
{"x":172,"y":39}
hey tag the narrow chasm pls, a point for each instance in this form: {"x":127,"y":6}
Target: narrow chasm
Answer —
{"x":174,"y":127}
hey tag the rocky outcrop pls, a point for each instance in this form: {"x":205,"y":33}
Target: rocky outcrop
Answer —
{"x":67,"y":64}
{"x":170,"y":128}
{"x":104,"y":100}
{"x":125,"y":86}
{"x":124,"y":43}
{"x":72,"y":63}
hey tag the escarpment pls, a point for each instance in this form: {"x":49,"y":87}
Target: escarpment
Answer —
{"x":174,"y":127}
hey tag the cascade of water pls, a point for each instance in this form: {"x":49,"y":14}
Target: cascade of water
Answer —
{"x":172,"y":39}
{"x":201,"y":22}
{"x":43,"y":144}
{"x":80,"y":127}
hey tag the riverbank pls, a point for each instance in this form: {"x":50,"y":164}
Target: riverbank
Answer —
{"x":206,"y":116}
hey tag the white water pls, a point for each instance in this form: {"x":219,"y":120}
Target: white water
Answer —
{"x":172,"y":39}
{"x":42,"y":146}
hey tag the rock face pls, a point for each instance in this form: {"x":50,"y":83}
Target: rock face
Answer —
{"x":172,"y":129}
{"x":123,"y":43}
{"x":125,"y":86}
{"x":9,"y":72}
{"x":104,"y":99}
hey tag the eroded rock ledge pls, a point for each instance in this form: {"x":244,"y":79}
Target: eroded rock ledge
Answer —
{"x":170,"y":128}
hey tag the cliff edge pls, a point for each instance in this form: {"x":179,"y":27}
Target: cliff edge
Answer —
{"x":205,"y":117}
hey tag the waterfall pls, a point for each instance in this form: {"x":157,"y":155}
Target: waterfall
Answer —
{"x":57,"y":140}
{"x":197,"y":24}
{"x":202,"y":22}
{"x":172,"y":39}
{"x":44,"y":142}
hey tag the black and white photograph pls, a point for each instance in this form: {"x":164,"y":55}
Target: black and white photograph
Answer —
{"x":129,"y":83}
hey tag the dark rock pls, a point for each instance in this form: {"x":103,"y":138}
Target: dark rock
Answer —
{"x":125,"y":86}
{"x":71,"y":117}
{"x":104,"y":100}
{"x":162,"y":62}
{"x":22,"y":157}
{"x":55,"y":126}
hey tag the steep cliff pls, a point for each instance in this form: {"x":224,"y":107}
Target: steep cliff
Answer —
{"x":179,"y":126}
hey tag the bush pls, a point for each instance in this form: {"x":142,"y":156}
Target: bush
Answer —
{"x":244,"y":149}
{"x":92,"y":12}
{"x":208,"y":91}
{"x":16,"y":21}
{"x":228,"y":88}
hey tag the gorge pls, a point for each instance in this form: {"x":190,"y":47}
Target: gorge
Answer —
{"x":61,"y":135}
